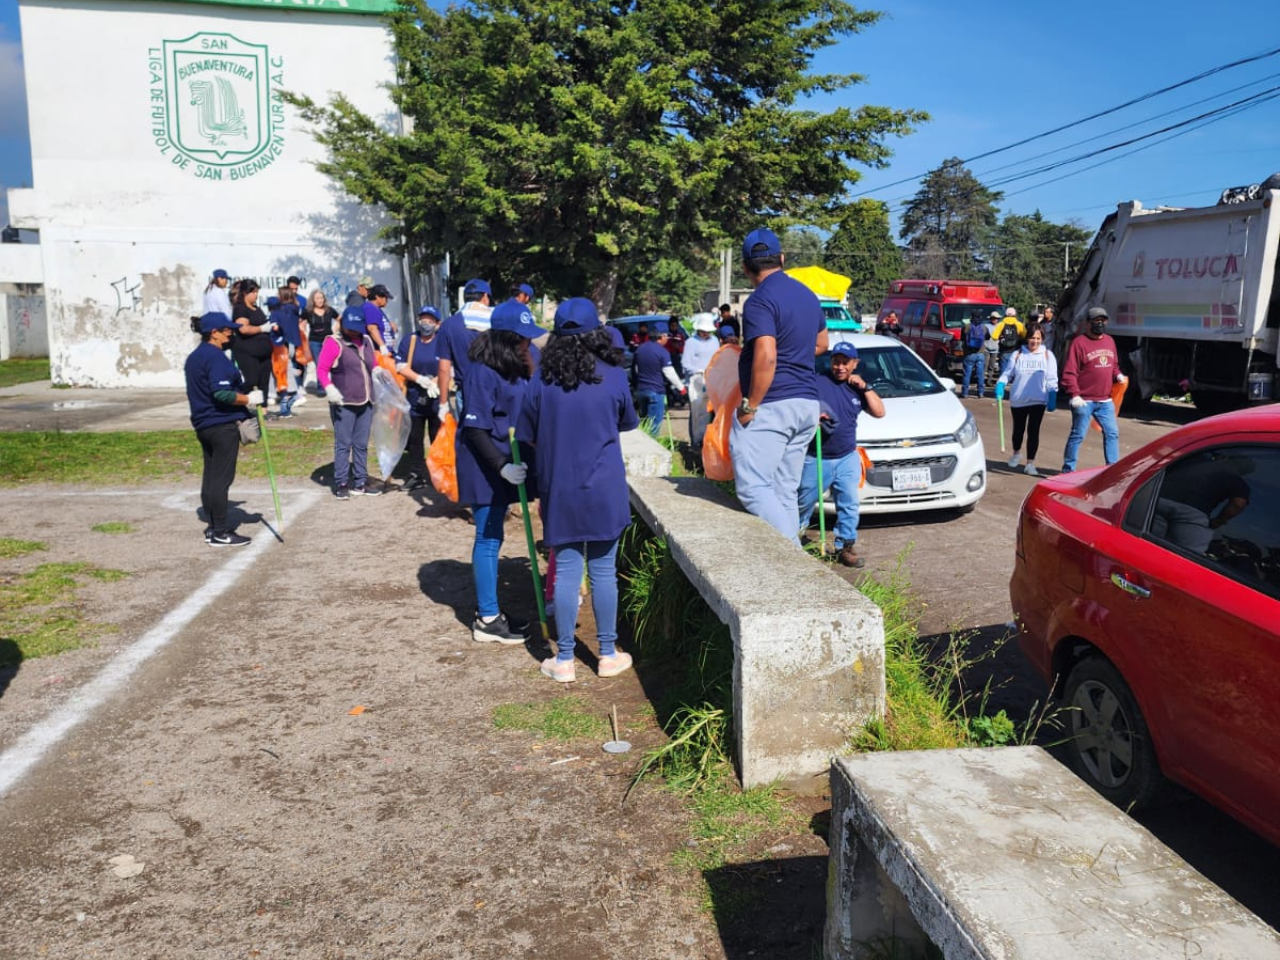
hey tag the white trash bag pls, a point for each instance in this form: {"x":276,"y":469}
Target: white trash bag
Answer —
{"x":390,"y":431}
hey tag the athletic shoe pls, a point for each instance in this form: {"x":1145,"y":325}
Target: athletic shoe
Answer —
{"x":415,"y":481}
{"x":1015,"y":460}
{"x":341,"y":492}
{"x":363,"y":490}
{"x":498,"y":630}
{"x":208,"y":534}
{"x":1031,"y":470}
{"x":612,"y":666}
{"x":300,"y":399}
{"x":848,"y":557}
{"x":228,"y":540}
{"x":562,"y":671}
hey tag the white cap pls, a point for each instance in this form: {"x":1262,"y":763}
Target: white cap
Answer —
{"x":705,"y":322}
{"x":1010,"y":312}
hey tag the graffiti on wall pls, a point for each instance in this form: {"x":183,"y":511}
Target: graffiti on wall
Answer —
{"x":128,"y":298}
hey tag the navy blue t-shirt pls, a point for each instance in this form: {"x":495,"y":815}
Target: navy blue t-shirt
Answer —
{"x":581,"y":478}
{"x":208,"y":370}
{"x":424,"y":362}
{"x":650,"y":358}
{"x":455,"y":340}
{"x":490,"y":404}
{"x":785,"y":309}
{"x":842,"y":403}
{"x":287,"y":316}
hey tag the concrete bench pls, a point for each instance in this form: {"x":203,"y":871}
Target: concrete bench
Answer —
{"x":1004,"y":853}
{"x":808,"y":647}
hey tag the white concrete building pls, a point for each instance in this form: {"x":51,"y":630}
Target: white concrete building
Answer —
{"x":161,"y":151}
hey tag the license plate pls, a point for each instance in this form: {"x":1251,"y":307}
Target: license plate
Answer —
{"x":912,"y":478}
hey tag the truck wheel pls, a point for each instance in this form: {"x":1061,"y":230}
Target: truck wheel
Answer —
{"x":942,"y":365}
{"x":1110,"y":746}
{"x":1210,"y":402}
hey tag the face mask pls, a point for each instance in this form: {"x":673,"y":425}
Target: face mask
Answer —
{"x":1097,"y":327}
{"x":427,"y":329}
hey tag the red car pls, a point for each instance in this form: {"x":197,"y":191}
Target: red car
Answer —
{"x":1148,"y":596}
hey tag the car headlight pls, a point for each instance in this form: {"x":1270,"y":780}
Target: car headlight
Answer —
{"x":967,"y":435}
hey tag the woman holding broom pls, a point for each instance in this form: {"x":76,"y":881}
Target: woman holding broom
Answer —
{"x":574,"y":411}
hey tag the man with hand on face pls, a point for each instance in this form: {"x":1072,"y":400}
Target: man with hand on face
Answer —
{"x":843,"y":395}
{"x":783,"y":328}
{"x":1092,"y":366}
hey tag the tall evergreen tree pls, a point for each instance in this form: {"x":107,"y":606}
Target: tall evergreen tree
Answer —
{"x":554,"y":140}
{"x":1027,"y":258}
{"x":862,"y":248}
{"x":946,"y":223}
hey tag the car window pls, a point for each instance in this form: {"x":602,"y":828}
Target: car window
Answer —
{"x":955,"y":314}
{"x":914,"y":316}
{"x":934,"y":320}
{"x":896,"y":372}
{"x":1221,"y":507}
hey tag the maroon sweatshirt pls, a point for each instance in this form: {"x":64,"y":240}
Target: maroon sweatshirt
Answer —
{"x":1091,"y":367}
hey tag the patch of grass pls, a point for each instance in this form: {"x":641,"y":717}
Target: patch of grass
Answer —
{"x":112,"y":526}
{"x":38,"y":616}
{"x":563,"y":718}
{"x":10,"y":547}
{"x":23,"y":370}
{"x":56,"y":457}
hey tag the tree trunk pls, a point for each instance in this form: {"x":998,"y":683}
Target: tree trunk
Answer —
{"x":605,"y":289}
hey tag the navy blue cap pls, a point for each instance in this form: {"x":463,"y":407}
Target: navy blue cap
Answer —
{"x":526,"y":290}
{"x":215,"y":321}
{"x":476,"y":286}
{"x":273,"y":302}
{"x":514,"y":317}
{"x":846,"y":348}
{"x":659,"y":328}
{"x":429,"y":311}
{"x":221,"y":274}
{"x":353,"y":320}
{"x":761,"y":243}
{"x":725,"y":331}
{"x":576,"y":315}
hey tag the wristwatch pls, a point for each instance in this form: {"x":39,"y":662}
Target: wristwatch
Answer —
{"x":747,"y":408}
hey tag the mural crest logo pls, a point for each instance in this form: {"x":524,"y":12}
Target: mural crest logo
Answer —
{"x":215,"y":105}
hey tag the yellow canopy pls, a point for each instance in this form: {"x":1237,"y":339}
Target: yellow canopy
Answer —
{"x":827,"y":285}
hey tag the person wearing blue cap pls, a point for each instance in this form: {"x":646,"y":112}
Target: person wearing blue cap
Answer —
{"x":843,"y":395}
{"x":219,"y":401}
{"x":416,"y":361}
{"x":345,"y":371}
{"x":217,"y":298}
{"x":573,"y":414}
{"x":522,"y":292}
{"x":783,"y":328}
{"x":493,"y":391}
{"x":459,"y":331}
{"x":651,"y":363}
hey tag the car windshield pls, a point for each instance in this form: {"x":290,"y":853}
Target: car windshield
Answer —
{"x":896,"y":372}
{"x":833,"y":311}
{"x":954,"y":314}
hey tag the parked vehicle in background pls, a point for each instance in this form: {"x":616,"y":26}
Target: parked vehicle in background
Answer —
{"x":932,"y":313}
{"x":925,"y":452}
{"x":839,"y":319}
{"x":832,"y":291}
{"x":1192,"y":296}
{"x":638,"y":325}
{"x":1147,"y":594}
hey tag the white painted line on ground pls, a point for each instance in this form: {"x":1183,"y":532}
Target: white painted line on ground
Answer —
{"x":36,"y":742}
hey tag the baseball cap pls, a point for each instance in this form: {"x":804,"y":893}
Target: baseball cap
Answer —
{"x":476,"y":286}
{"x":221,"y":274}
{"x":660,"y":328}
{"x":705,"y":322}
{"x":215,"y":321}
{"x":429,"y":311}
{"x":761,"y":242}
{"x":353,"y":320}
{"x":514,"y":316}
{"x":1097,"y":313}
{"x":526,"y":290}
{"x":365,"y":282}
{"x":725,"y":331}
{"x":995,"y":315}
{"x":1010,"y":312}
{"x":845,"y":348}
{"x":381,"y":291}
{"x":576,"y":315}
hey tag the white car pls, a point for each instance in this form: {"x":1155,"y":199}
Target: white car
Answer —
{"x":925,"y":451}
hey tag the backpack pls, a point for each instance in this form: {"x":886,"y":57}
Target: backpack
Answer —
{"x":976,"y":336}
{"x":1008,"y":337}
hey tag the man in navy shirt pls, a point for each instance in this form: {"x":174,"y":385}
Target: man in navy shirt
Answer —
{"x":782,"y":330}
{"x":459,"y":330}
{"x":652,"y":362}
{"x":381,"y":330}
{"x":842,"y":395}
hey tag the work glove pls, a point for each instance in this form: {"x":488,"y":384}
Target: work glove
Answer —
{"x":1121,"y":378}
{"x":270,"y":327}
{"x":431,"y":385}
{"x":1077,"y":403}
{"x":385,"y":350}
{"x":255,"y":398}
{"x":333,"y":394}
{"x":1000,"y":390}
{"x":1051,"y":401}
{"x":514,"y":473}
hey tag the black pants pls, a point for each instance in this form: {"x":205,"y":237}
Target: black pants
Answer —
{"x":1028,"y":419}
{"x":416,"y":451}
{"x":256,"y":372}
{"x":220,"y":445}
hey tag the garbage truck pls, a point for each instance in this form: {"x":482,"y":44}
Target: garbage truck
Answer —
{"x":1192,"y":297}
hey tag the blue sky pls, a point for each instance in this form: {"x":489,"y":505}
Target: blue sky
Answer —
{"x":995,"y":72}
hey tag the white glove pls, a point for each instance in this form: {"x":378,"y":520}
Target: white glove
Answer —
{"x":1077,"y":403}
{"x":514,"y":473}
{"x":1121,"y":378}
{"x":385,"y":350}
{"x":270,"y":327}
{"x":431,"y":385}
{"x":255,"y":398}
{"x":333,"y":393}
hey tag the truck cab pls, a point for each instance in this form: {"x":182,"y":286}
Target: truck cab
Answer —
{"x":933,"y":312}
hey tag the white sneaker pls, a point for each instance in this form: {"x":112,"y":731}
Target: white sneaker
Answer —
{"x":300,"y":399}
{"x":1015,"y":460}
{"x":1031,"y":470}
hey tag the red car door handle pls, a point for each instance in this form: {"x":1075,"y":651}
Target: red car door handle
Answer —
{"x":1130,"y":588}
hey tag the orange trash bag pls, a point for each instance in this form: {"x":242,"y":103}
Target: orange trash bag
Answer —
{"x":389,"y":365}
{"x":724,"y":396}
{"x":280,"y":366}
{"x":866,"y":465}
{"x":442,"y":458}
{"x":1117,"y":397}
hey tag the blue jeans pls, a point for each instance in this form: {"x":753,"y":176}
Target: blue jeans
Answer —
{"x":768,"y":459}
{"x":1104,"y":412}
{"x":652,"y":405}
{"x":489,"y":519}
{"x":971,"y":361}
{"x":601,"y":559}
{"x":1006,"y":358}
{"x":841,"y":476}
{"x":351,"y":427}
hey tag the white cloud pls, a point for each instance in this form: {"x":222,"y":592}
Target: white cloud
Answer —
{"x":13,"y":90}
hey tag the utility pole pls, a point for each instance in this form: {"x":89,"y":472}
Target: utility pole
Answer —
{"x":726,"y":274}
